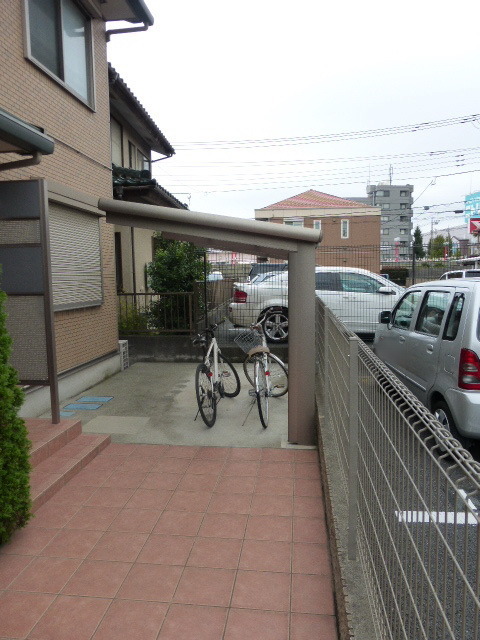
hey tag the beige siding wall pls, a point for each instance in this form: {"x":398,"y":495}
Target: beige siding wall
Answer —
{"x":81,"y":161}
{"x":361,"y":246}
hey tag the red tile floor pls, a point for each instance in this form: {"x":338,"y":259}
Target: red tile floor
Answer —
{"x":153,"y":542}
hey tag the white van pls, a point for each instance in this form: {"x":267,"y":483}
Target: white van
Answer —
{"x":431,"y":341}
{"x":461,"y":273}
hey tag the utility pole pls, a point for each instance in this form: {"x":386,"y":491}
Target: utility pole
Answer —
{"x":390,"y":171}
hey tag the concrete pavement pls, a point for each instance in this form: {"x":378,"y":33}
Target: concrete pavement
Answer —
{"x":155,"y":403}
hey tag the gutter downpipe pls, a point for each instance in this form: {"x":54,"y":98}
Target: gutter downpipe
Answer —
{"x":127,"y":30}
{"x":27,"y":162}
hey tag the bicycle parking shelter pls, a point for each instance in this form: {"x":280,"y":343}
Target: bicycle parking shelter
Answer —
{"x":295,"y":244}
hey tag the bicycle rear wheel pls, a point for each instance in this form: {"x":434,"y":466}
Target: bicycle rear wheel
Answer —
{"x":261,"y":391}
{"x":278,"y":373}
{"x":228,"y":377}
{"x":206,"y":398}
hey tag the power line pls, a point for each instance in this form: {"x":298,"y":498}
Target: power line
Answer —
{"x":209,"y":189}
{"x":322,"y":138}
{"x":388,"y":157}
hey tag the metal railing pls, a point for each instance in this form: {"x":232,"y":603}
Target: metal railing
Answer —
{"x":155,"y":313}
{"x":412,"y":495}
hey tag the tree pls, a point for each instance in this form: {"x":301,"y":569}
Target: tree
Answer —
{"x":418,"y":249}
{"x":437,"y":248}
{"x":175,"y":269}
{"x":15,"y":503}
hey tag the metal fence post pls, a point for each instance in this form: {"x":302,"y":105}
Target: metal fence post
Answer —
{"x":353,"y":449}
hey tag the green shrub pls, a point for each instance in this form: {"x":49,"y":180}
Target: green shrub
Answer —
{"x":132,"y":320}
{"x":15,"y":502}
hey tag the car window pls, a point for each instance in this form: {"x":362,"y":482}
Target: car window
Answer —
{"x":359,"y":283}
{"x":403,"y":313}
{"x":472,"y":274}
{"x":454,"y":274}
{"x":454,"y":317}
{"x":431,"y":314}
{"x":327,"y":281}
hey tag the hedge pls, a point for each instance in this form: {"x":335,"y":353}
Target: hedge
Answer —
{"x":15,"y":501}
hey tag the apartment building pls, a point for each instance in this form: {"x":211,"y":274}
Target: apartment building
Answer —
{"x":395,"y":203}
{"x":60,"y":85}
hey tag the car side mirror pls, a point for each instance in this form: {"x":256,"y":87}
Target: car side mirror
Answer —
{"x":387,"y":291}
{"x":385,"y":317}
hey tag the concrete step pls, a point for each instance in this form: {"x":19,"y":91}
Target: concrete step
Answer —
{"x":59,"y":452}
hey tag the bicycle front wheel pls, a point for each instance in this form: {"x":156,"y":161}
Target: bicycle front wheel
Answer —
{"x":277,"y":371}
{"x":228,"y":377}
{"x":206,"y":400}
{"x":262,"y":392}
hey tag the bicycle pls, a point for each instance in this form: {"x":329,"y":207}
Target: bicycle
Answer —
{"x":215,"y":377}
{"x":267,"y":374}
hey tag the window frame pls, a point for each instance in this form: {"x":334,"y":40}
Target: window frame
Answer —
{"x":345,"y":224}
{"x":294,"y":222}
{"x":88,"y":101}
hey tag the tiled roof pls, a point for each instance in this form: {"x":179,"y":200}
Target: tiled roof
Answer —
{"x":159,"y":141}
{"x":314,"y":200}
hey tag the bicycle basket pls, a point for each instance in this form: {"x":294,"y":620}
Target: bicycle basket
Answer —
{"x":248,"y":340}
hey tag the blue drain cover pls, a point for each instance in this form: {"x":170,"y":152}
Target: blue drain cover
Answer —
{"x":96,"y":399}
{"x":84,"y":406}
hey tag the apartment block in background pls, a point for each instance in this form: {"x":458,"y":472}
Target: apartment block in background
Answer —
{"x":395,"y":203}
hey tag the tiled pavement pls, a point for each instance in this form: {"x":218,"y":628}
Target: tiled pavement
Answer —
{"x":158,"y":542}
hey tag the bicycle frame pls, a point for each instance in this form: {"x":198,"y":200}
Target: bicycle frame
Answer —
{"x":207,"y":360}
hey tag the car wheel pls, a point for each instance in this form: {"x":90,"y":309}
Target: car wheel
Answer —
{"x":275,"y":325}
{"x":442,"y":413}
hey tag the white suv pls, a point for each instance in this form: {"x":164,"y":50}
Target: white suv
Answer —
{"x":355,"y":296}
{"x":431,"y":341}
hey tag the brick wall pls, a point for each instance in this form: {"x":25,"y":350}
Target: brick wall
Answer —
{"x":81,"y":161}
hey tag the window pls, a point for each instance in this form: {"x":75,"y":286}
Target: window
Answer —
{"x":403,"y":205}
{"x":382,"y":194}
{"x":385,"y":205}
{"x":404,"y":218}
{"x":432,"y":312}
{"x":116,"y":142}
{"x":402,"y":315}
{"x":293,"y":222}
{"x":454,"y":317}
{"x":325,"y":281}
{"x":344,"y":229}
{"x":403,"y":232}
{"x":384,"y":218}
{"x":143,"y":163}
{"x":317,"y":225}
{"x":384,"y":232}
{"x":359,"y":283}
{"x":59,"y":40}
{"x":132,"y":156}
{"x":403,"y":194}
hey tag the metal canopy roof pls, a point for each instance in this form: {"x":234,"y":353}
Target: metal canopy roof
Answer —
{"x":259,"y":238}
{"x":210,"y":230}
{"x":17,"y":136}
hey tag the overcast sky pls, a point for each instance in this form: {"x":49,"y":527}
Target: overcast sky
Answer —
{"x":263,"y":70}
